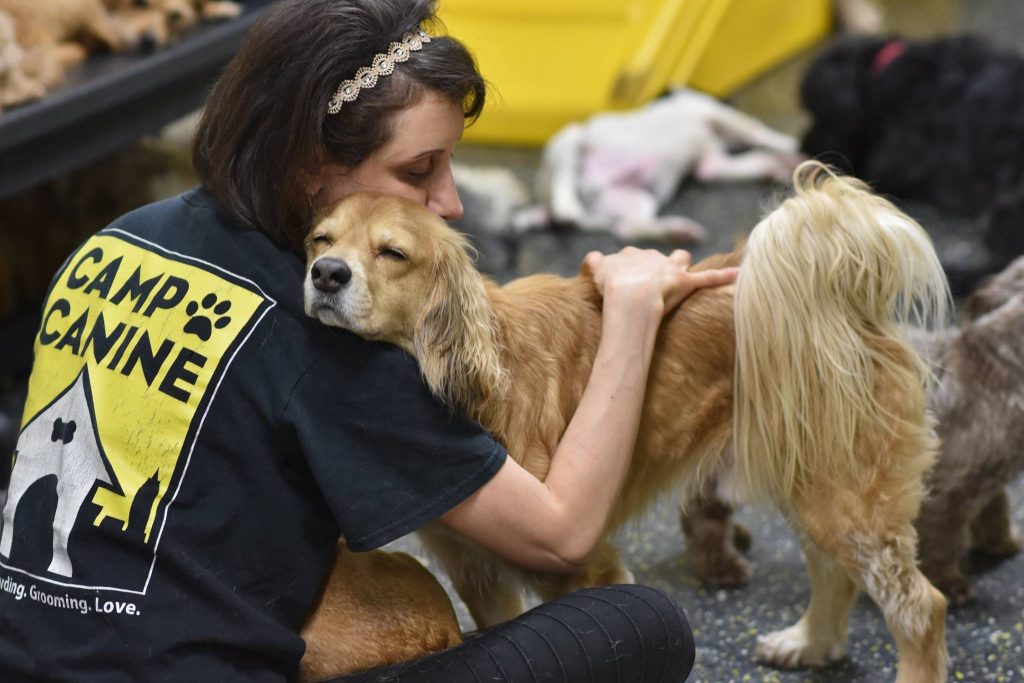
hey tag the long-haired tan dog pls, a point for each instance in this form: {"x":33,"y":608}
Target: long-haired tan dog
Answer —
{"x":978,"y":404}
{"x":802,"y":366}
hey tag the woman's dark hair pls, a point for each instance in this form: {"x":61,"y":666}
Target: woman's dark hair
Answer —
{"x":265,"y":127}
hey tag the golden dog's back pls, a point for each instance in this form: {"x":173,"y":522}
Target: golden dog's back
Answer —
{"x":549,"y":329}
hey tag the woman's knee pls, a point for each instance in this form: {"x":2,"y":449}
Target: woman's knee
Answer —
{"x":654,"y":611}
{"x":627,"y":633}
{"x":641,"y":620}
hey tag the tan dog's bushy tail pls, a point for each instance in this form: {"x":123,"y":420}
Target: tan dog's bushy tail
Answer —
{"x":827,"y":281}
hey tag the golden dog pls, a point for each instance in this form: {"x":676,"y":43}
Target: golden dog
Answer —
{"x":802,"y":366}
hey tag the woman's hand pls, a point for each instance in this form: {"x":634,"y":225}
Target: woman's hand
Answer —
{"x":645,"y":277}
{"x":555,"y":524}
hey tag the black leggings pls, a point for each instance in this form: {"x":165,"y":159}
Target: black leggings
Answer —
{"x":614,"y":633}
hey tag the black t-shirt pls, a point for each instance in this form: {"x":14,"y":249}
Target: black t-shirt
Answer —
{"x":192,"y":446}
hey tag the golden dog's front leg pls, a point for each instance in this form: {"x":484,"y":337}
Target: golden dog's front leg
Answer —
{"x":491,"y":591}
{"x":489,"y":599}
{"x":605,"y":569}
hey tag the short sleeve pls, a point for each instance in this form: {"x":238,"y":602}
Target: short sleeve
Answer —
{"x":387,"y":455}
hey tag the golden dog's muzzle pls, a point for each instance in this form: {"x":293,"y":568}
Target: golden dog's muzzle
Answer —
{"x":330,"y":274}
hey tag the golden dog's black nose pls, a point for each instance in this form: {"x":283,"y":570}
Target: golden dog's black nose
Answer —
{"x":330,"y":274}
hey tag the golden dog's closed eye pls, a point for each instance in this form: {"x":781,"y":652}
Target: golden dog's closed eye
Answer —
{"x":391,"y":253}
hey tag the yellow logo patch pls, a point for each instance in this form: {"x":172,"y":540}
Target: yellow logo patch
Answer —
{"x":132,"y":345}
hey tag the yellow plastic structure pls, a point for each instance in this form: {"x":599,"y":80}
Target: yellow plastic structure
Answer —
{"x":550,"y":62}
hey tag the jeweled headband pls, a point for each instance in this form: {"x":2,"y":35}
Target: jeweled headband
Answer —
{"x":383,"y":65}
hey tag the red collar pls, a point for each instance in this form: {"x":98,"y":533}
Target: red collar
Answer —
{"x":886,"y":55}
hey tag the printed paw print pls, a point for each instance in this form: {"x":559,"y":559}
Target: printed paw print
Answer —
{"x":199,"y":323}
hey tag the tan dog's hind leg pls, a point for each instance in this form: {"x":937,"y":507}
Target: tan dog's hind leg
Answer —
{"x":377,"y":608}
{"x":915,"y":611}
{"x":875,"y":543}
{"x":819,"y":637}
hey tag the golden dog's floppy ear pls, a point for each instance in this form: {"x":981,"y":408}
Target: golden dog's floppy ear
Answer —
{"x":455,"y":339}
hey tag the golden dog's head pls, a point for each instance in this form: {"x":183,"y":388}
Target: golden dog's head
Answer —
{"x":390,"y":270}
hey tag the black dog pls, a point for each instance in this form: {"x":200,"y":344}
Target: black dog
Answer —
{"x":940,"y":121}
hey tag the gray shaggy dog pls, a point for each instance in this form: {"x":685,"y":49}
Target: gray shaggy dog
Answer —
{"x":978,"y":401}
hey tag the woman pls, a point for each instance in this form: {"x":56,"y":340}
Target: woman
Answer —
{"x":200,"y":444}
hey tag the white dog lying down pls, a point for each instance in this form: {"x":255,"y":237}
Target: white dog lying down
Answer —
{"x":615,"y":171}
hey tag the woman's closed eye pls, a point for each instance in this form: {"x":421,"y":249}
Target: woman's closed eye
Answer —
{"x":419,"y":172}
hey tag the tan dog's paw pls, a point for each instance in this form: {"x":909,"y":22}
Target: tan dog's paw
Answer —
{"x":793,"y":647}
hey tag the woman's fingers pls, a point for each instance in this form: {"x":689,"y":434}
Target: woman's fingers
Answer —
{"x":681,"y":257}
{"x":715,"y":278}
{"x":686,"y":283}
{"x":667,"y":275}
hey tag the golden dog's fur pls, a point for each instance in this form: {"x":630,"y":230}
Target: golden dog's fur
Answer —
{"x":802,"y":366}
{"x":378,"y":608}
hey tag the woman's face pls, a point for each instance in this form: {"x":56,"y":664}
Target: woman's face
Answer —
{"x":414,"y":164}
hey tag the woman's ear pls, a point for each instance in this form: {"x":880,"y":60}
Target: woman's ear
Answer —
{"x":455,"y":340}
{"x":311,"y":181}
{"x":324,"y":184}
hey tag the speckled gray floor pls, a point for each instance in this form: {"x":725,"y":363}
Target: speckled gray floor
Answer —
{"x":985,"y":639}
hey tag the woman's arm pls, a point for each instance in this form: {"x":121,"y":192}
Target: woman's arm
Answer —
{"x":555,"y":525}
